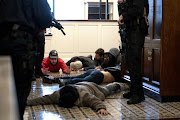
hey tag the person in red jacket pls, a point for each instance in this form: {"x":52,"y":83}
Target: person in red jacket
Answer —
{"x":53,"y":64}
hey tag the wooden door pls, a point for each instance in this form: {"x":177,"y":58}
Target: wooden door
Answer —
{"x":170,"y":45}
{"x":151,"y":50}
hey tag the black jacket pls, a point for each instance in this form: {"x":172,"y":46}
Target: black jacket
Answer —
{"x":115,"y":72}
{"x":97,"y":62}
{"x":135,"y":9}
{"x":86,"y":61}
{"x":28,"y":14}
{"x":17,"y":11}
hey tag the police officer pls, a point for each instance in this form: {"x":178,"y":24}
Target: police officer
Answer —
{"x":134,"y":21}
{"x":39,"y":53}
{"x":18,"y":24}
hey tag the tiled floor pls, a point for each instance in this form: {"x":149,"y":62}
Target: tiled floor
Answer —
{"x":116,"y":105}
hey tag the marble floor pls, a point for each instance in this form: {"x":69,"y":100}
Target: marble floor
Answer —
{"x":150,"y":109}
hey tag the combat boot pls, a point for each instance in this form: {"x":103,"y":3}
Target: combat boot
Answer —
{"x":128,"y":96}
{"x":135,"y":99}
{"x":48,"y":79}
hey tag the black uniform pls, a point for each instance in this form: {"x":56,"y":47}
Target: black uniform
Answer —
{"x":18,"y":22}
{"x":135,"y":41}
{"x":39,"y":55}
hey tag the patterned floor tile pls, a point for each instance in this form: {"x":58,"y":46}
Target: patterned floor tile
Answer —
{"x":116,"y":105}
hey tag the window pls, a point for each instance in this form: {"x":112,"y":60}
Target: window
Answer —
{"x":83,"y":9}
{"x":69,"y":9}
{"x":95,"y":11}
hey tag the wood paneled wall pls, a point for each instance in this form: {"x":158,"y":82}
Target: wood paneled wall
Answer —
{"x":83,"y":38}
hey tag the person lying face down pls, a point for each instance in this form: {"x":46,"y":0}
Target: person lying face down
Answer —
{"x":87,"y":61}
{"x":53,"y":64}
{"x":99,"y":57}
{"x":75,"y":66}
{"x":108,"y":75}
{"x":82,"y":94}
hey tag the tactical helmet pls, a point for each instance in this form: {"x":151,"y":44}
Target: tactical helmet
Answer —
{"x":53,"y":54}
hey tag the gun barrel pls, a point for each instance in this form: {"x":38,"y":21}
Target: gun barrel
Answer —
{"x":63,"y":32}
{"x":58,"y":25}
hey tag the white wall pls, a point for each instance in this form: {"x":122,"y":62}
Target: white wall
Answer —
{"x":82,"y":38}
{"x":69,"y":9}
{"x":78,"y":9}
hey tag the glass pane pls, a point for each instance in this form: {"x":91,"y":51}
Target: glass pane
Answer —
{"x":82,"y":9}
{"x":69,"y":9}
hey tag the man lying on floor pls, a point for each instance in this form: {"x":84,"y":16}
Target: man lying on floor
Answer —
{"x":110,"y":73}
{"x":82,"y":94}
{"x":107,"y":75}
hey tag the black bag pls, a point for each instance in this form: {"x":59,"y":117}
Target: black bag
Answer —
{"x":42,"y":13}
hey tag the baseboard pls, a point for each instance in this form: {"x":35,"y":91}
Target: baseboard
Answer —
{"x":154,"y":92}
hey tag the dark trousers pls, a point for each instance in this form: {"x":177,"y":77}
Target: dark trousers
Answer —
{"x":39,"y":54}
{"x":91,"y":75}
{"x":135,"y":42}
{"x":18,"y":45}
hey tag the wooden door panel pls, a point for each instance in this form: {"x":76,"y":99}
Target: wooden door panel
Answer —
{"x":157,"y":19}
{"x":155,"y":43}
{"x":146,"y":64}
{"x":150,"y":17}
{"x":156,"y":66}
{"x":146,"y":71}
{"x":151,"y":53}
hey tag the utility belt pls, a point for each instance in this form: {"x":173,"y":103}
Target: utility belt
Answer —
{"x":144,"y":16}
{"x":11,"y":27}
{"x":139,"y":21}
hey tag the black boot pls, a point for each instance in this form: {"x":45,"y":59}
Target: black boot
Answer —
{"x":127,"y":95}
{"x":48,"y":79}
{"x":33,"y":78}
{"x":134,"y":99}
{"x":39,"y":74}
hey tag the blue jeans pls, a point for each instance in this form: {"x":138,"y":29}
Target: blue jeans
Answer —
{"x":91,"y":75}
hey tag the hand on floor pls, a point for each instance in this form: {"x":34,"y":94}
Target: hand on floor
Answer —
{"x":46,"y":71}
{"x":103,"y":112}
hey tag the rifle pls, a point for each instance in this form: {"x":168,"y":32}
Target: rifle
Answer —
{"x":123,"y":39}
{"x":57,"y":25}
{"x":123,"y":50}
